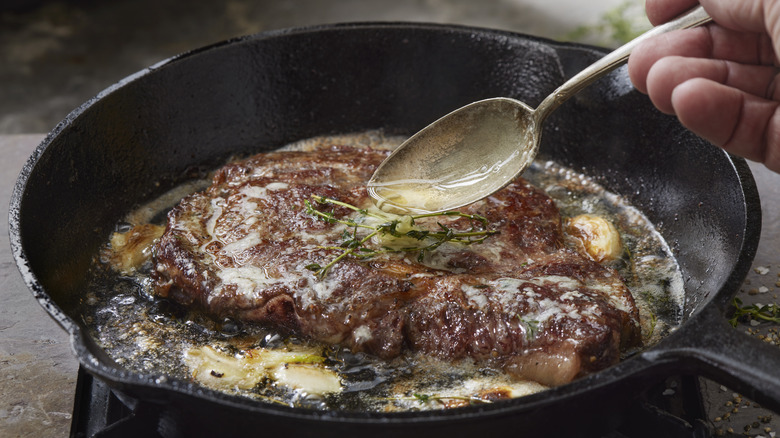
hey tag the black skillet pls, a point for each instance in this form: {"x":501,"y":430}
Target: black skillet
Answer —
{"x":156,"y":128}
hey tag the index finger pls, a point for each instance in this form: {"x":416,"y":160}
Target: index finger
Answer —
{"x":661,"y":11}
{"x":742,"y":15}
{"x":708,"y":42}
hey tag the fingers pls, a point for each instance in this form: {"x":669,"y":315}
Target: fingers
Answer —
{"x":738,"y":122}
{"x":704,"y":42}
{"x":661,"y":11}
{"x":720,"y":79}
{"x":742,"y":15}
{"x":694,"y":43}
{"x":669,"y":72}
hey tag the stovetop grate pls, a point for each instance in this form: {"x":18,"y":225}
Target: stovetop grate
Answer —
{"x":100,"y":413}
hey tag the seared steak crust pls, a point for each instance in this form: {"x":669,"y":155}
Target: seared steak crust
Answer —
{"x":521,"y":301}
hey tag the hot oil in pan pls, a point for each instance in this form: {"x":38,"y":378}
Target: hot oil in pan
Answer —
{"x":150,"y":335}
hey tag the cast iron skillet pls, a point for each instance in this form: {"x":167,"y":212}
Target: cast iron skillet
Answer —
{"x":156,"y":128}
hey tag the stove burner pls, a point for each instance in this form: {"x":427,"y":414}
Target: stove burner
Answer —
{"x":100,"y":412}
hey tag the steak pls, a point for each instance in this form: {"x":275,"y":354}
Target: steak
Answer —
{"x":522,"y":300}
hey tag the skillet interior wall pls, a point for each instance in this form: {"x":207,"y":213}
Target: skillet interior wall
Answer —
{"x":680,"y":181}
{"x":138,"y":139}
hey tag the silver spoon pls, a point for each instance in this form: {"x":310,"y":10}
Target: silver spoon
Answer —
{"x":476,"y":150}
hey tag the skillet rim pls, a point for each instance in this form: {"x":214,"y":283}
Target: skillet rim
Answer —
{"x":122,"y":379}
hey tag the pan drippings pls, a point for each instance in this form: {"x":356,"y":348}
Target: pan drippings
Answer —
{"x":153,"y":335}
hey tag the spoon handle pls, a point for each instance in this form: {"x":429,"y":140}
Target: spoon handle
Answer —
{"x":695,"y":17}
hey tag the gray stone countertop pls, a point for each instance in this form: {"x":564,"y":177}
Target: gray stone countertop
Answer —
{"x":38,"y":370}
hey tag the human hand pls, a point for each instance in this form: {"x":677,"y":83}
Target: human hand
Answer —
{"x":721,"y":79}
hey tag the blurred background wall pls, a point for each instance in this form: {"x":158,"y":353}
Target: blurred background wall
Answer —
{"x":56,"y":54}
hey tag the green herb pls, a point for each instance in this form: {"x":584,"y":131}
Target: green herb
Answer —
{"x":398,"y":227}
{"x":615,"y":27}
{"x":531,"y":327}
{"x":653,"y":323}
{"x":768,"y":312}
{"x":425,"y":398}
{"x":422,"y":398}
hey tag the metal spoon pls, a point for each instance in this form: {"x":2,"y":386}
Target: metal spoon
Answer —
{"x":476,"y":150}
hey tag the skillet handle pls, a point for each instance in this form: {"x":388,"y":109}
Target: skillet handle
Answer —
{"x":710,"y":347}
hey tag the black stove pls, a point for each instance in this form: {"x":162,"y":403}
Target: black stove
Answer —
{"x":671,"y":409}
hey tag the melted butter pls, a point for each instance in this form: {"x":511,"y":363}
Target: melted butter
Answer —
{"x":455,"y":182}
{"x":161,"y":331}
{"x":408,"y":196}
{"x":247,"y":279}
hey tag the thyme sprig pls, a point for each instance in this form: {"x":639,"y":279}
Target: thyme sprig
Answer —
{"x":398,"y":227}
{"x":427,"y":398}
{"x":767,"y":312}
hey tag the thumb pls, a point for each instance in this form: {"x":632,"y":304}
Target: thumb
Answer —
{"x":740,"y":123}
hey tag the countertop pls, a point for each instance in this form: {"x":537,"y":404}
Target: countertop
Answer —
{"x":38,"y":370}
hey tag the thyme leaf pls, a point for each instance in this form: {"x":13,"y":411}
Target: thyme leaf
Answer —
{"x":531,"y":327}
{"x":767,"y":312}
{"x":426,"y":398}
{"x":653,"y":324}
{"x":353,"y":244}
{"x":422,"y":398}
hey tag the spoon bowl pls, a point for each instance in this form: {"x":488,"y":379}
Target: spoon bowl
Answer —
{"x":478,"y":149}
